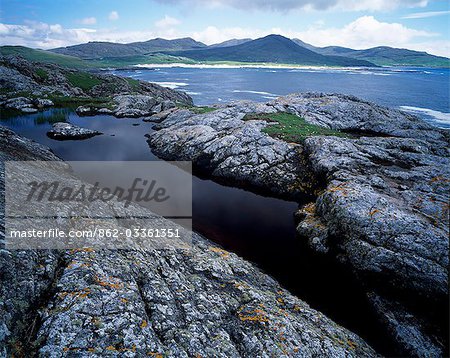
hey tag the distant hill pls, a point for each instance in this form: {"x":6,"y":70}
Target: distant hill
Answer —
{"x":272,"y":49}
{"x":158,"y":45}
{"x":228,"y":43}
{"x":269,"y":49}
{"x":388,"y":56}
{"x":100,"y":50}
{"x":382,"y":56}
{"x":45,"y":56}
{"x":97,"y":50}
{"x":304,"y":44}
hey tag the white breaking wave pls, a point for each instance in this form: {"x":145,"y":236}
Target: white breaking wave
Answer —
{"x":226,"y":66}
{"x":172,"y":85}
{"x":439,"y":117}
{"x":257,"y":92}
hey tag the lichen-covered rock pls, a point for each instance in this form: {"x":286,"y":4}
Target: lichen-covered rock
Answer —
{"x":222,"y":145}
{"x":85,"y":111}
{"x":19,"y":103}
{"x":389,"y":216}
{"x":104,"y":111}
{"x":43,"y":102}
{"x":68,"y":131}
{"x":201,"y":302}
{"x":134,"y":106}
{"x":14,"y":79}
{"x":384,"y":213}
{"x":407,"y":329}
{"x":26,"y":105}
{"x":383,"y":204}
{"x":28,"y":110}
{"x":160,"y":116}
{"x":349,"y":113}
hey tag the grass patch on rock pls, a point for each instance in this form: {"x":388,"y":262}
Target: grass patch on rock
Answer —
{"x":291,"y":128}
{"x":202,"y":110}
{"x":134,"y":84}
{"x":83,"y":80}
{"x":42,"y":74}
{"x":46,"y":57}
{"x":195,"y":109}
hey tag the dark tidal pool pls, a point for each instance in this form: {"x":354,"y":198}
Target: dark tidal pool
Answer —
{"x":260,"y":229}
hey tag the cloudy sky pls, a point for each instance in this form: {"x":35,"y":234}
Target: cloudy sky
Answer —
{"x":416,"y":24}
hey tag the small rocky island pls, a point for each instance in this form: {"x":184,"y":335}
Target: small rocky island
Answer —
{"x":67,"y":131}
{"x":378,"y":181}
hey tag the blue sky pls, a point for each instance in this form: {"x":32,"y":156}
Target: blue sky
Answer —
{"x":416,"y":24}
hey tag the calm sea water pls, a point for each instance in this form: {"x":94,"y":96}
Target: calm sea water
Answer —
{"x":258,"y":228}
{"x":424,"y":92}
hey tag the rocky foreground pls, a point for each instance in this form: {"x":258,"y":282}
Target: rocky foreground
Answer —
{"x":378,"y":184}
{"x":201,"y":302}
{"x":381,"y":195}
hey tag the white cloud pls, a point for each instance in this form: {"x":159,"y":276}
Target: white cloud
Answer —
{"x":361,"y":33}
{"x":423,"y":15}
{"x":166,"y":22}
{"x":287,"y":5}
{"x":377,"y":5}
{"x":212,"y":34}
{"x":365,"y":32}
{"x":88,"y":21}
{"x":46,"y":36}
{"x":113,"y":15}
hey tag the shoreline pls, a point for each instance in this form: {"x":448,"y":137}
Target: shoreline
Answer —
{"x":262,"y":65}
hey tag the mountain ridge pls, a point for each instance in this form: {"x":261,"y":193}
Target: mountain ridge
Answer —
{"x":159,"y":50}
{"x":269,"y":49}
{"x":382,"y":55}
{"x":231,"y":42}
{"x":100,"y":49}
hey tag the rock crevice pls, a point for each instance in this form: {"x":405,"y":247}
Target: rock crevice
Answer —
{"x":163,"y":302}
{"x":381,"y":202}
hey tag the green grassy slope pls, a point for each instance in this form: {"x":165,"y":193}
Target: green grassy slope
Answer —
{"x":97,"y":50}
{"x":388,"y":56}
{"x":142,"y":59}
{"x":46,"y":57}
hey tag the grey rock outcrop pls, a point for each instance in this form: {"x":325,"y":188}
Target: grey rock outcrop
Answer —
{"x":134,"y":106}
{"x":384,"y":213}
{"x":86,"y":111}
{"x":19,"y":76}
{"x":22,"y":104}
{"x":160,"y":116}
{"x":351,"y":114}
{"x":222,"y":145}
{"x":68,"y":131}
{"x":27,"y":105}
{"x":43,"y":102}
{"x":131,"y":106}
{"x":382,"y":199}
{"x":205,"y":301}
{"x":406,"y":328}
